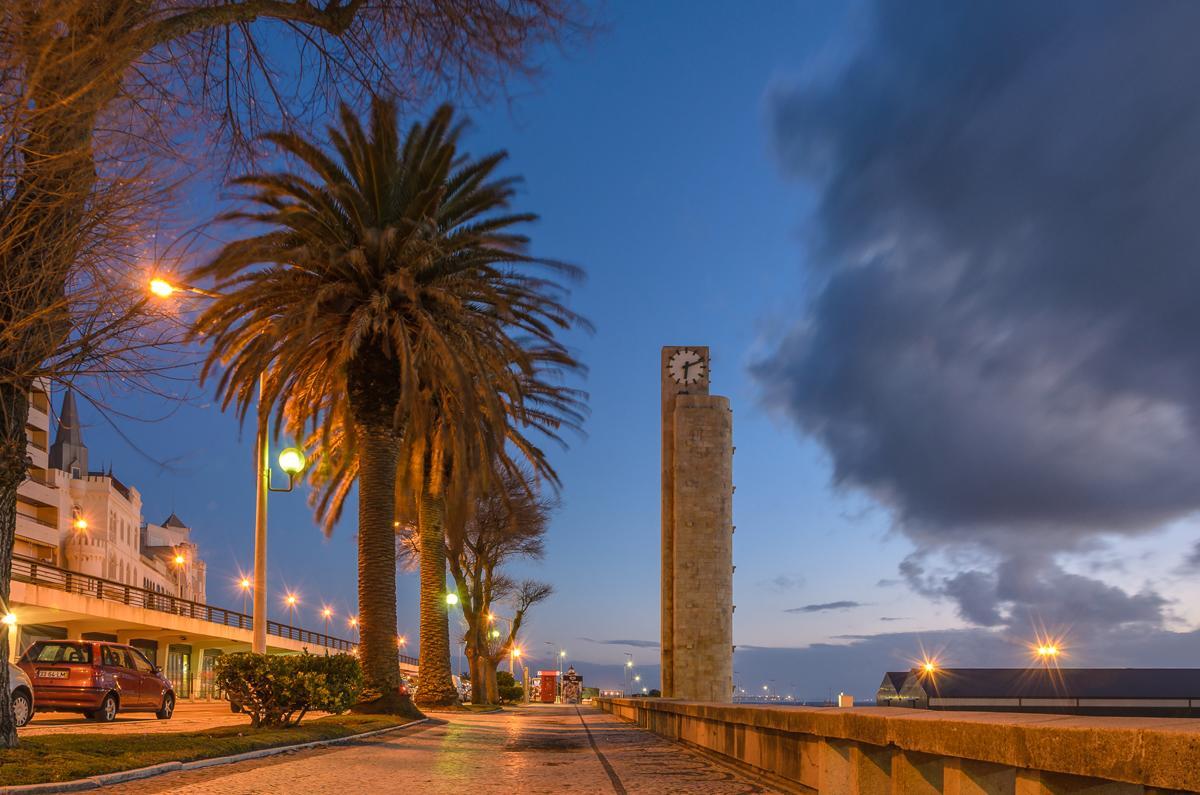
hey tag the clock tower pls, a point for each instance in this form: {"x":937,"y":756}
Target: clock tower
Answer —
{"x":697,"y":530}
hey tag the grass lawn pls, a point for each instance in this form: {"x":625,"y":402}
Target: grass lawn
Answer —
{"x":69,"y":756}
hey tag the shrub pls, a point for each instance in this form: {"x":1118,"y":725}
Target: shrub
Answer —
{"x":508,"y":688}
{"x":278,"y":690}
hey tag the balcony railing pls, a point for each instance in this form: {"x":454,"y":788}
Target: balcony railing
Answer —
{"x":35,"y":572}
{"x":36,"y":520}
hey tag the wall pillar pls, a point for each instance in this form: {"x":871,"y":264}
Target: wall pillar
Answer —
{"x":969,"y":777}
{"x":917,"y":774}
{"x":850,"y":768}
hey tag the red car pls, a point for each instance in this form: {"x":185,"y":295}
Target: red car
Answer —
{"x":96,"y":678}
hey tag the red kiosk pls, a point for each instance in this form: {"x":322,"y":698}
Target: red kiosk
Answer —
{"x":548,"y":686}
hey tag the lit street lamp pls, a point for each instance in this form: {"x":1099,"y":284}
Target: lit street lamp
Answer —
{"x":290,"y":601}
{"x":244,"y":584}
{"x":327,"y":614}
{"x":354,"y":626}
{"x":291,"y":461}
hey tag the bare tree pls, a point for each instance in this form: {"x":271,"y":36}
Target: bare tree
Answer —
{"x":96,"y":93}
{"x":507,"y":523}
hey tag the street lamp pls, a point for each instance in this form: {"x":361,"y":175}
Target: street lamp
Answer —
{"x":290,"y":600}
{"x":353,"y":622}
{"x":327,"y":614}
{"x":164,"y":288}
{"x":451,"y":599}
{"x":244,"y":584}
{"x":512,"y":660}
{"x":628,"y":670}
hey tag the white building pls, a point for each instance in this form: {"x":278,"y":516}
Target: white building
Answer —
{"x":90,"y":522}
{"x":86,"y":565}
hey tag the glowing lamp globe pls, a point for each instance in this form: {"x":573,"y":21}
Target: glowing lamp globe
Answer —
{"x":292,"y":461}
{"x":451,"y":598}
{"x":161,"y":287}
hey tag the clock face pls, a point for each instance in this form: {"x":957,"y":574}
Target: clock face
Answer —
{"x":686,"y":366}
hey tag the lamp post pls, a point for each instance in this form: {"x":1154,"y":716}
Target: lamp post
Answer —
{"x":628,"y":669}
{"x":244,"y":584}
{"x":290,"y":600}
{"x":326,"y":613}
{"x":291,"y":461}
{"x":354,"y":626}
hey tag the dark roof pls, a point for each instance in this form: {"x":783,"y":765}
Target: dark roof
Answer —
{"x":69,"y":430}
{"x":895,"y":679}
{"x":1062,"y":683}
{"x":174,"y":521}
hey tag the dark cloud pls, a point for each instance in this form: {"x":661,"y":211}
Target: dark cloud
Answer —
{"x":888,"y":583}
{"x":1002,"y":344}
{"x":823,"y":606}
{"x":893,"y":618}
{"x":857,"y":665}
{"x":637,"y":644}
{"x":1193,"y":559}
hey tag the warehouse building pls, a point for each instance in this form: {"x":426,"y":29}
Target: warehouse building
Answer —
{"x":1156,"y":692}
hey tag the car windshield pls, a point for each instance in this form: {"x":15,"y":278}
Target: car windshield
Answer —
{"x":56,"y":652}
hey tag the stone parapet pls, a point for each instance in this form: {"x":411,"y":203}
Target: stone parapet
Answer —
{"x":901,"y":751}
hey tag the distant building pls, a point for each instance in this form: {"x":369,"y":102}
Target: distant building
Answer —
{"x":1166,"y":692}
{"x":888,"y":694}
{"x":88,"y":521}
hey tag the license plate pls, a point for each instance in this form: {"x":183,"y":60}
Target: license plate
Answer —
{"x":53,"y":674}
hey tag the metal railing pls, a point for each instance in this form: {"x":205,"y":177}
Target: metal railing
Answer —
{"x":35,"y":572}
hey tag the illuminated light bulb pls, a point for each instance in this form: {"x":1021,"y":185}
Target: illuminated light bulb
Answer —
{"x":161,"y":287}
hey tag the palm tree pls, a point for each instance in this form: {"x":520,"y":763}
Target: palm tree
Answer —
{"x":388,"y":284}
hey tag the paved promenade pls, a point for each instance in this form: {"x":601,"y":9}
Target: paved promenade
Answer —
{"x":531,"y":750}
{"x":188,"y":717}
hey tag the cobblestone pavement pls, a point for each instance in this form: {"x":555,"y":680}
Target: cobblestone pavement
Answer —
{"x":187,"y":717}
{"x":529,"y":750}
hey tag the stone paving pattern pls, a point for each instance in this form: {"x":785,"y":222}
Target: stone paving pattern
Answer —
{"x":187,"y":718}
{"x":528,"y":750}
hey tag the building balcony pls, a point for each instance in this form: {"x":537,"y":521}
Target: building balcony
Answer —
{"x":39,"y":530}
{"x":39,"y":491}
{"x":38,"y":416}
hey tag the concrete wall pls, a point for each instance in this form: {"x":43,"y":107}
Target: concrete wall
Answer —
{"x":914,"y":752}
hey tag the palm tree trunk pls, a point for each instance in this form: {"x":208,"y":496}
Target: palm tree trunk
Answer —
{"x":436,"y":688}
{"x":14,"y":410}
{"x":377,"y":649}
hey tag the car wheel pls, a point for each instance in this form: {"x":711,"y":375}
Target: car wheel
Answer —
{"x":168,"y":707}
{"x":22,"y":707}
{"x":108,"y":710}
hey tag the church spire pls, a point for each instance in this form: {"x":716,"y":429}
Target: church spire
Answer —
{"x":68,"y":452}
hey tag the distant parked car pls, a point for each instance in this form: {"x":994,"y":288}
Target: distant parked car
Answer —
{"x":96,"y":678}
{"x":20,"y":695}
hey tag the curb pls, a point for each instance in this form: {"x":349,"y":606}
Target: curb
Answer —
{"x":121,"y":776}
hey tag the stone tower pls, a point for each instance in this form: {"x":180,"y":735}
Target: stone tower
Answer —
{"x":697,"y":530}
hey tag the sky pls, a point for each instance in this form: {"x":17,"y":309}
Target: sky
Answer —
{"x":942,"y":254}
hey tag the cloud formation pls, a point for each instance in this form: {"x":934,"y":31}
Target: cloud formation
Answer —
{"x":823,"y":606}
{"x":783,"y":582}
{"x":1002,"y":343}
{"x":637,"y":644}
